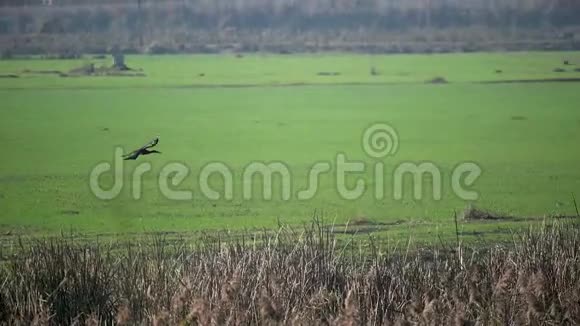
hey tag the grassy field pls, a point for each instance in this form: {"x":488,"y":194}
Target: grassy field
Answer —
{"x":54,"y":130}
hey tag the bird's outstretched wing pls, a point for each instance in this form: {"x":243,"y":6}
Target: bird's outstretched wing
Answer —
{"x":131,"y":156}
{"x":134,"y":154}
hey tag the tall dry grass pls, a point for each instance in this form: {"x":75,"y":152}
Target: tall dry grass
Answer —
{"x":293,"y":277}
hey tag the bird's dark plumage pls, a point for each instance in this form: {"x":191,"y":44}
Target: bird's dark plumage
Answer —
{"x":143,"y":150}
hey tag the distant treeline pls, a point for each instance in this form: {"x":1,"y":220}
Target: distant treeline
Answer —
{"x":137,"y":23}
{"x":99,"y":16}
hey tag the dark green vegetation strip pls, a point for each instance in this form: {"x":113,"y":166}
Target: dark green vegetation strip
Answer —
{"x":524,"y":81}
{"x":283,"y":85}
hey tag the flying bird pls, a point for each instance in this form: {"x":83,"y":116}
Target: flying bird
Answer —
{"x":143,"y":150}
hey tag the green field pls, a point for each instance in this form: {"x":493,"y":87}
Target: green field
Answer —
{"x":54,"y":130}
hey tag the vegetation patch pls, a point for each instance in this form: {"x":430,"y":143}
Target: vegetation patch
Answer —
{"x":91,"y":70}
{"x":328,"y":73}
{"x":42,"y":72}
{"x":63,"y":281}
{"x":471,"y":213}
{"x":362,"y":225}
{"x":532,"y":81}
{"x":437,"y":80}
{"x":70,"y":212}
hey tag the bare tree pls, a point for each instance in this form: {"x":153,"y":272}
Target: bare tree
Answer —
{"x":118,"y":59}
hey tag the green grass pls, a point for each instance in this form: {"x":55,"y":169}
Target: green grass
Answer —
{"x":52,"y":135}
{"x":182,"y":70}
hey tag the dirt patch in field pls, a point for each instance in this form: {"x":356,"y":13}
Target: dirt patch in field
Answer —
{"x":328,"y":73}
{"x":88,"y":70}
{"x":362,"y":221}
{"x":564,"y":217}
{"x":362,"y":225}
{"x":483,"y":233}
{"x":437,"y":80}
{"x":118,"y":73}
{"x":91,"y":70}
{"x":42,"y":72}
{"x":471,"y":213}
{"x":70,"y":212}
{"x":527,"y":81}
